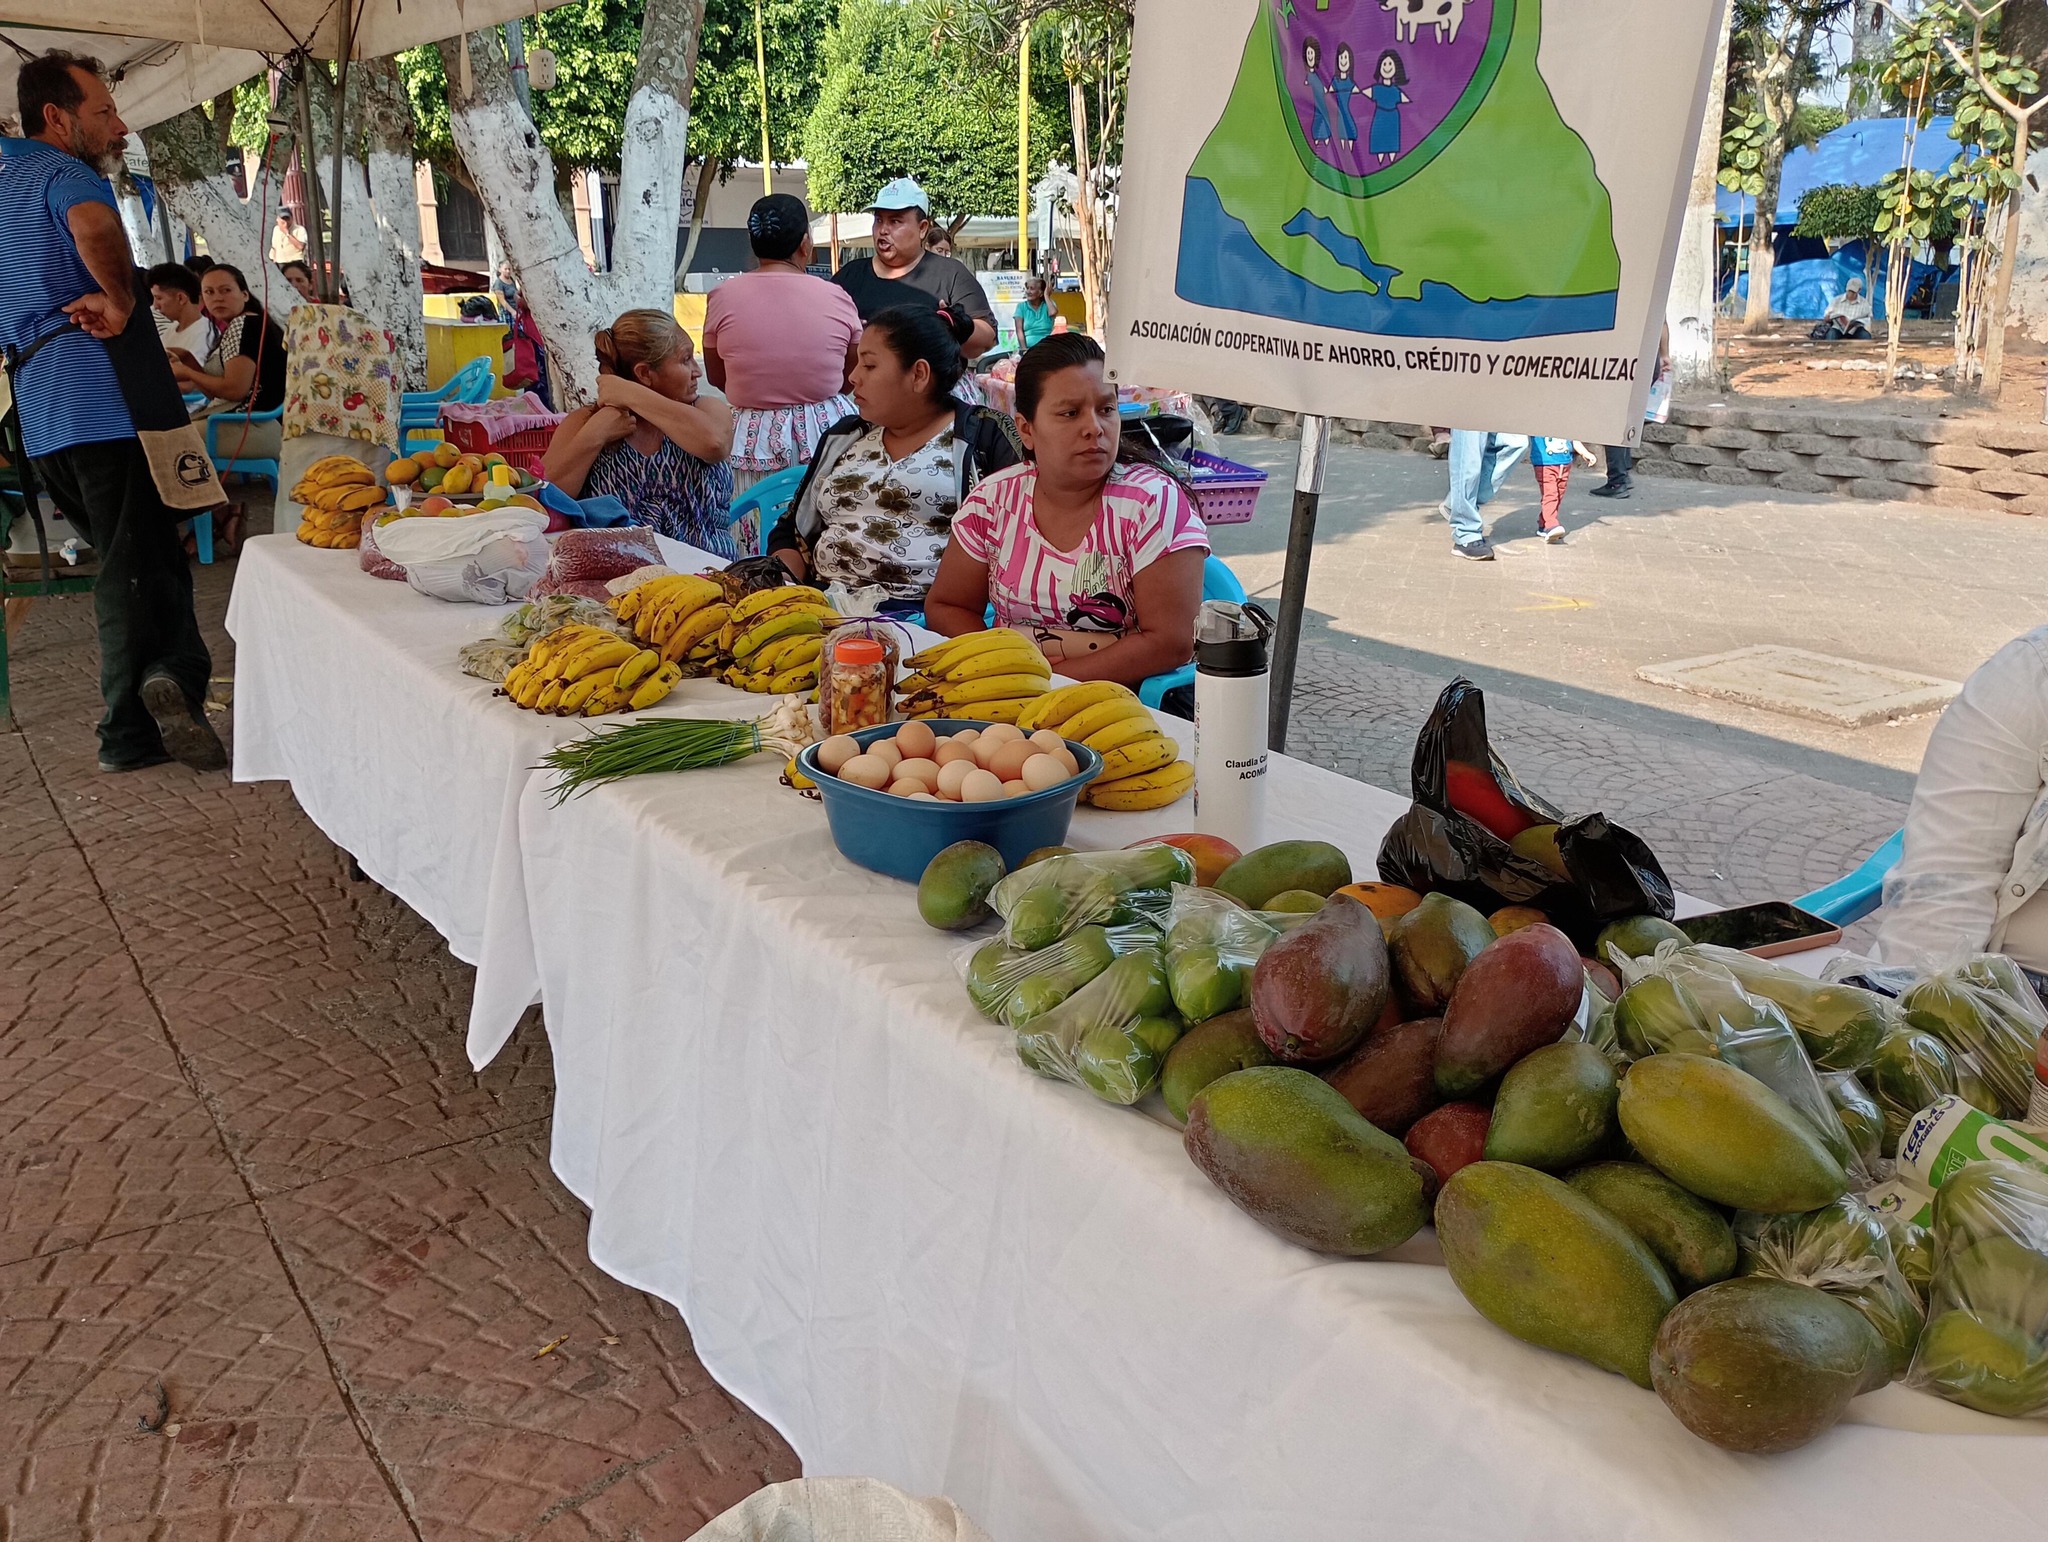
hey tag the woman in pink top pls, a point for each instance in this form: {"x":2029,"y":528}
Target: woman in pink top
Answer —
{"x":1095,"y":558}
{"x":780,"y":343}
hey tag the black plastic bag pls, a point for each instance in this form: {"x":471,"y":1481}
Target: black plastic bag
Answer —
{"x":1434,"y":847}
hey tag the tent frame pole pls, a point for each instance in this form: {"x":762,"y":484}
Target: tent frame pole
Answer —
{"x":329,"y":285}
{"x":309,"y":174}
{"x":1301,"y":539}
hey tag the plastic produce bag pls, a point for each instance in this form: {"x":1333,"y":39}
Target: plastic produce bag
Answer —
{"x":372,"y":557}
{"x":537,"y":618}
{"x":1989,"y":1017}
{"x":583,"y":560}
{"x":1986,"y":1341}
{"x":1909,"y":1071}
{"x":1840,"y":1025}
{"x":1211,"y":946}
{"x":1013,"y":985}
{"x":1859,"y":1114}
{"x":1435,"y":847}
{"x":1052,"y":899}
{"x":1111,"y":1036}
{"x":1846,"y":1251}
{"x":489,"y":659}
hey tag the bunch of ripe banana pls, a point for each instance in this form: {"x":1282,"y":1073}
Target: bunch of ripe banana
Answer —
{"x":1141,"y":768}
{"x":993,"y":676}
{"x":679,"y":616}
{"x":775,"y":639}
{"x":336,"y":493}
{"x":586,"y":671}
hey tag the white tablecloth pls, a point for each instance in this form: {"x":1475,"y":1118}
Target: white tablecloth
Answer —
{"x":925,"y":1264}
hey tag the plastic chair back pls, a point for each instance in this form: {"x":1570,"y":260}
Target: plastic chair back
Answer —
{"x":1850,"y":898}
{"x":224,"y":459}
{"x":1218,"y":583}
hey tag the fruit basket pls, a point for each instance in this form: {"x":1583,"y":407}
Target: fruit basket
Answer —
{"x":524,"y":449}
{"x":900,"y":837}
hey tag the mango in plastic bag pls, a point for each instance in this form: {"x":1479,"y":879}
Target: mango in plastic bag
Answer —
{"x":1014,"y":985}
{"x":1658,"y":1016}
{"x":1099,"y":1037}
{"x":1840,"y":1025}
{"x":1908,"y":1071}
{"x":1858,"y":1112}
{"x":1987,"y":1014}
{"x":1048,"y":900}
{"x":1986,"y":1344}
{"x":1846,"y":1251}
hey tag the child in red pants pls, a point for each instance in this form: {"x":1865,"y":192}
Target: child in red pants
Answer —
{"x":1551,"y":459}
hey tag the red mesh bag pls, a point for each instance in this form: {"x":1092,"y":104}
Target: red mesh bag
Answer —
{"x":586,"y":557}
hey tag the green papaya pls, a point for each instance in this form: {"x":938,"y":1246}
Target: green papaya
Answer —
{"x":1724,"y":1135}
{"x":1258,"y":875}
{"x":1555,"y":1108}
{"x":1539,"y":1260}
{"x":1292,"y":1154}
{"x":1691,"y":1239}
{"x":1207,"y":1051}
{"x":1761,"y":1365}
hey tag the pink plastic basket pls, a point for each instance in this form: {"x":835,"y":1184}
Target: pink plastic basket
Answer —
{"x":1226,"y":493}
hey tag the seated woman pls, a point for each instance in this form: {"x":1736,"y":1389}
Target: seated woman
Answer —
{"x":657,"y":439}
{"x":879,"y":500}
{"x":1097,"y":558}
{"x":1974,"y":872}
{"x":245,"y":371}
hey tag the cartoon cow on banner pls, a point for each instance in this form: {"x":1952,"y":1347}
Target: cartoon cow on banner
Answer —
{"x":1411,"y":16}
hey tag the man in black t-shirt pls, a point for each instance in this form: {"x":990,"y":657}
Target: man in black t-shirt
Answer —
{"x":902,"y":272}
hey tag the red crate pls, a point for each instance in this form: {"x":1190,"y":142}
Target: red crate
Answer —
{"x":523,"y":449}
{"x":1226,"y":493}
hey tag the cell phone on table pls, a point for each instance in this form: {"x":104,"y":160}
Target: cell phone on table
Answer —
{"x":1767,"y":930}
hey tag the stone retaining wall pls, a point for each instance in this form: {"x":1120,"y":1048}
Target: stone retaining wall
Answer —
{"x":1958,"y":463}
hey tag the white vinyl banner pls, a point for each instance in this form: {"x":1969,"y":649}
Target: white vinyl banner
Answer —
{"x":1457,"y":212}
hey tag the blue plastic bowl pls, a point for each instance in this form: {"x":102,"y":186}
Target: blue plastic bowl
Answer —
{"x":900,"y":837}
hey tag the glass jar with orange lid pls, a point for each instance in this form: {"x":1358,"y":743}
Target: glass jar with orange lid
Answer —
{"x":858,"y":682}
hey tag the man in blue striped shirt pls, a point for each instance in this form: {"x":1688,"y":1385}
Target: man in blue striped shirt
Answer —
{"x":68,"y":284}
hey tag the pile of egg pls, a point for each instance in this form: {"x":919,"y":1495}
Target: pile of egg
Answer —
{"x":975,"y":765}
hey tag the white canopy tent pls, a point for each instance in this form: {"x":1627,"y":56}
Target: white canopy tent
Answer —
{"x":153,"y":79}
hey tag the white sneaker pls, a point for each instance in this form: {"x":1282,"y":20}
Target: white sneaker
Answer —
{"x":1554,"y":536}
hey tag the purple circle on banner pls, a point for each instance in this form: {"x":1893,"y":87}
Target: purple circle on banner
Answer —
{"x":1370,"y":79}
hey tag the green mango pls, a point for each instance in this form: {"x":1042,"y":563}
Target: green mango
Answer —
{"x":1292,"y":1154}
{"x":1295,"y":902}
{"x":1539,"y":1260}
{"x":1555,"y":1108}
{"x":1013,"y":986}
{"x":1204,"y":984}
{"x":1845,"y":1250}
{"x":1207,"y":1051}
{"x":1909,"y":1069}
{"x":1131,"y":988}
{"x":1119,"y":1064}
{"x":1636,"y":937}
{"x":1761,"y":1365}
{"x":1042,"y":903}
{"x":1986,"y":1027}
{"x":1431,"y":947}
{"x":1724,"y":1135}
{"x":1839,"y":1025}
{"x":1258,"y":875}
{"x":1658,"y":1016}
{"x":1861,"y":1118}
{"x":1990,"y":1366}
{"x":1692,"y":1240}
{"x":953,"y":893}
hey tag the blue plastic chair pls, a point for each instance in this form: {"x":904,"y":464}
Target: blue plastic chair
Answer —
{"x":419,"y":412}
{"x":1848,"y":900}
{"x":770,"y":498}
{"x":1218,"y":583}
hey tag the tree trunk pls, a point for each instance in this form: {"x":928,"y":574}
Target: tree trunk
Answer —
{"x":2028,"y":307}
{"x":1093,"y":291}
{"x":387,"y":286}
{"x":2023,"y":33}
{"x":1695,"y":281}
{"x":655,"y":147}
{"x":707,"y":175}
{"x":2001,"y":292}
{"x":186,"y":160}
{"x":142,"y":242}
{"x":1763,"y":238}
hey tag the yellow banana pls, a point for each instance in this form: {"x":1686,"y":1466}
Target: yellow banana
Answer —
{"x":763,"y":600}
{"x":1136,"y":759}
{"x":788,"y":652}
{"x":1093,"y":720}
{"x":636,"y":669}
{"x":1148,"y":790}
{"x":588,"y":660}
{"x":550,"y":696}
{"x":992,"y":688}
{"x":942,"y":657}
{"x":1024,"y":660}
{"x":800,"y":678}
{"x":654,"y":687}
{"x":1117,"y":735}
{"x":606,"y":698}
{"x":577,"y":695}
{"x":1057,"y":707}
{"x":528,"y":694}
{"x":788,"y":624}
{"x":515,"y":677}
{"x":695,"y":629}
{"x":985,"y":711}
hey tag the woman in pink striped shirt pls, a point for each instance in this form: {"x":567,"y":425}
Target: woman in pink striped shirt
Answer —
{"x":1096,"y":558}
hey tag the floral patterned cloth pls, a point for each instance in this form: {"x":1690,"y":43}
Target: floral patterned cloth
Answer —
{"x":886,"y":521}
{"x":342,"y":376}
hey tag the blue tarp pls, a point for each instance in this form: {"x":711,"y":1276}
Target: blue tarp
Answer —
{"x":1860,"y":154}
{"x":1803,"y":291}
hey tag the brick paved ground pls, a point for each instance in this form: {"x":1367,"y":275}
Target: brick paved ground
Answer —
{"x":243,"y":1158}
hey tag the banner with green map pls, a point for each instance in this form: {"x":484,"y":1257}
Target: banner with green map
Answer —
{"x":1457,"y":212}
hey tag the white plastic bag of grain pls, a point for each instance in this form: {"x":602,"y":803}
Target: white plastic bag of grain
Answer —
{"x":840,"y":1510}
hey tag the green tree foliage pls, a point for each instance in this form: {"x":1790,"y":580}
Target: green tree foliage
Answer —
{"x":895,"y":105}
{"x":1838,"y":211}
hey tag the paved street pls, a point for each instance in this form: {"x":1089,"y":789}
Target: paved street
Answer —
{"x":243,"y":1159}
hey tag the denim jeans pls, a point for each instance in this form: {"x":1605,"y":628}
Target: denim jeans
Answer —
{"x":1479,"y":464}
{"x":143,"y":597}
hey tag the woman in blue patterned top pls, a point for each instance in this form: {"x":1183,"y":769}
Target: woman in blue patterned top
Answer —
{"x":656,"y":440}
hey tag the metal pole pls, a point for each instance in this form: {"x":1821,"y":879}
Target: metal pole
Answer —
{"x":761,"y":72}
{"x":309,"y":177}
{"x":1024,"y":150}
{"x":515,"y":56}
{"x":1301,"y":540}
{"x":330,"y":285}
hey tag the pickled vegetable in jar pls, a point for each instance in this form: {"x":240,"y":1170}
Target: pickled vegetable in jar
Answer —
{"x":857,"y":686}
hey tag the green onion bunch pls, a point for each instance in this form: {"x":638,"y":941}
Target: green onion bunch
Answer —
{"x":671,"y":744}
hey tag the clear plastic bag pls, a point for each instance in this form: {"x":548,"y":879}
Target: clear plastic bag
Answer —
{"x":1840,"y":1025}
{"x":1986,"y":1341}
{"x":1211,"y":945}
{"x":1014,"y":985}
{"x":1677,"y":1001}
{"x":1859,"y":1113}
{"x":1846,"y":1251}
{"x":1910,"y":1070}
{"x":489,"y":659}
{"x":537,"y":618}
{"x":1052,"y":899}
{"x":1111,"y":1036}
{"x":1987,"y":1014}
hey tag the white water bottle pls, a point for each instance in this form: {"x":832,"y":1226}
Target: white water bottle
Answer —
{"x":1231,"y":686}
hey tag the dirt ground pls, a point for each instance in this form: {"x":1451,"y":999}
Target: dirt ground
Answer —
{"x":1782,"y":367}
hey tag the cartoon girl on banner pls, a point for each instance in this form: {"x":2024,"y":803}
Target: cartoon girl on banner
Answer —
{"x":1387,"y":101}
{"x":1342,"y":89}
{"x":1319,"y":125}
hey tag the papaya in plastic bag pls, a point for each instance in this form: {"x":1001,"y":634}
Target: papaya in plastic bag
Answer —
{"x":1986,"y":1340}
{"x":1609,"y":872}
